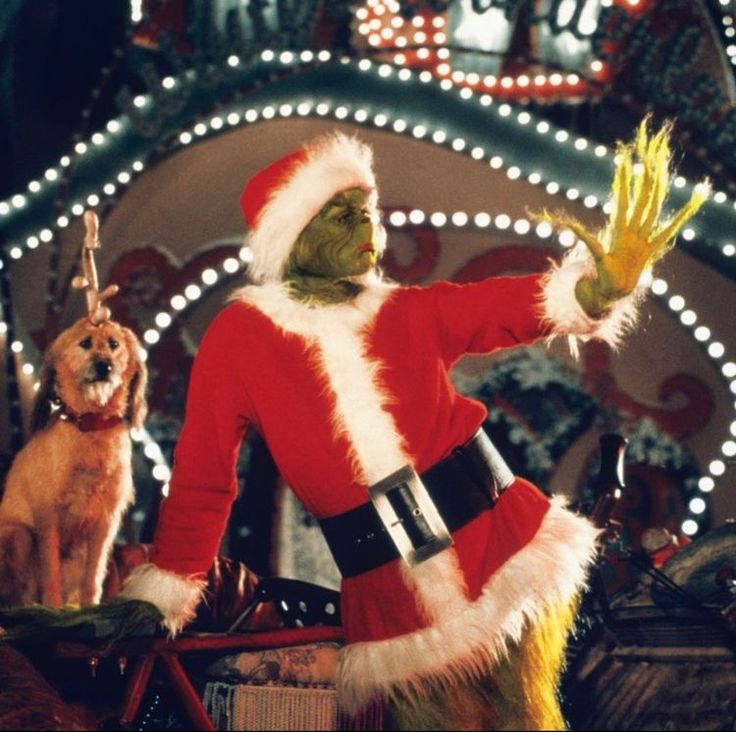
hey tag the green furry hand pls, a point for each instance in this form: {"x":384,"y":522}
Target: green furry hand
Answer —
{"x":111,"y":621}
{"x":635,"y":236}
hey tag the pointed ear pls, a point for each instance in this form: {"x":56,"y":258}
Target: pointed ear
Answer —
{"x":137,"y":405}
{"x":45,"y":394}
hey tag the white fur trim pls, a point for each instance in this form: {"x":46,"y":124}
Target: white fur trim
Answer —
{"x":360,"y":413}
{"x":174,"y":595}
{"x":474,"y":637}
{"x":562,"y":311}
{"x":334,"y":163}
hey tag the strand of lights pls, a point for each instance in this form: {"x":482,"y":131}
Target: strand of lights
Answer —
{"x":422,"y":43}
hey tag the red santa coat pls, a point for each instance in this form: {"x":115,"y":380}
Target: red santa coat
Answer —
{"x":344,"y":395}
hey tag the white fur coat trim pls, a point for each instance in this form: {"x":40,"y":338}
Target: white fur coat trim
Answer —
{"x":562,"y":311}
{"x":334,"y":163}
{"x":175,"y":596}
{"x":360,"y":415}
{"x":473,"y":638}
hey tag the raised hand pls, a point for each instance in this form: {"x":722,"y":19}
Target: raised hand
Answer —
{"x":635,"y":236}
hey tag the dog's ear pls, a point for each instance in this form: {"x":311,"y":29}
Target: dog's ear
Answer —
{"x":137,"y":405}
{"x":45,"y":394}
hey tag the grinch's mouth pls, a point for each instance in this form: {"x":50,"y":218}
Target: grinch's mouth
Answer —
{"x":367,"y":248}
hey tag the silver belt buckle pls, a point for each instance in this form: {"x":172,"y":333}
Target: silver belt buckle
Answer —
{"x":409,"y":515}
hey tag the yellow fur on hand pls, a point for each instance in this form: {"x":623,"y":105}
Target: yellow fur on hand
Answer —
{"x":635,"y":236}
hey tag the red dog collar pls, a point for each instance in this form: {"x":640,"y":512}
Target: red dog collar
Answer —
{"x":88,"y":421}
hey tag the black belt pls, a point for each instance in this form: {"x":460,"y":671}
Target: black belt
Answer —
{"x":462,"y":485}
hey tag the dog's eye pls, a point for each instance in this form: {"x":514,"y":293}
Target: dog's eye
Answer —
{"x":86,"y":343}
{"x":113,"y":344}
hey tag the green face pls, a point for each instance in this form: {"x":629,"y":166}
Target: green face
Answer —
{"x":339,"y":242}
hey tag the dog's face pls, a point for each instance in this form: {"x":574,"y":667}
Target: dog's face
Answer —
{"x":95,"y":368}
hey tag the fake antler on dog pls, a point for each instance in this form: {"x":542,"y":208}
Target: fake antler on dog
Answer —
{"x":87,"y":281}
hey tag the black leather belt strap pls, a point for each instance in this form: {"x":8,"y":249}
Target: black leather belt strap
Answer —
{"x":461,"y":486}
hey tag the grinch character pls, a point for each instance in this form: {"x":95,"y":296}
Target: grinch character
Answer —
{"x":459,"y":578}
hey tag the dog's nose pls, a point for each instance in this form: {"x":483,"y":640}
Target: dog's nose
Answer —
{"x":102,"y":368}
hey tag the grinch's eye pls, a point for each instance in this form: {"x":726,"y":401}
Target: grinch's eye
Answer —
{"x":86,"y":343}
{"x":112,"y":343}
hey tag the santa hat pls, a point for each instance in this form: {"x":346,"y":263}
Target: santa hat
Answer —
{"x":280,"y":200}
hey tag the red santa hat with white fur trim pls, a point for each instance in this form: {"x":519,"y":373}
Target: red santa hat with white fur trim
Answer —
{"x":280,"y":200}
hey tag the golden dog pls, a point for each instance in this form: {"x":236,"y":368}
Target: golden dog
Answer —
{"x":68,"y":488}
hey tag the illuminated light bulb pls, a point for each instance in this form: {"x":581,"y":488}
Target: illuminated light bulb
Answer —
{"x":342,"y":112}
{"x":590,"y":202}
{"x":540,"y":80}
{"x":458,"y":144}
{"x":522,"y":227}
{"x":62,"y":222}
{"x":16,"y":252}
{"x":720,"y":197}
{"x":716,"y":350}
{"x":688,"y":317}
{"x":524,"y":118}
{"x":439,"y":136}
{"x":513,"y":172}
{"x":561,"y":135}
{"x":566,"y":238}
{"x":322,"y":109}
{"x":404,"y":74}
{"x":209,"y":276}
{"x":137,"y":166}
{"x":34,"y":186}
{"x":717,"y":468}
{"x":702,"y":333}
{"x":482,"y":219}
{"x":416,"y":217}
{"x":216,"y":123}
{"x":420,"y":37}
{"x":77,"y":209}
{"x":200,"y":129}
{"x":679,"y":181}
{"x":16,"y":347}
{"x":689,"y":527}
{"x":251,"y":115}
{"x":163,"y":320}
{"x":286,"y":57}
{"x":729,"y":369}
{"x":688,"y":234}
{"x":552,"y":187}
{"x":459,"y":218}
{"x":113,"y":126}
{"x":151,"y":336}
{"x":440,"y":39}
{"x":706,"y":484}
{"x":306,"y":56}
{"x":397,"y":218}
{"x":399,"y":125}
{"x":419,"y":131}
{"x":417,"y":21}
{"x":303,"y":109}
{"x":32,"y":242}
{"x":507,"y":82}
{"x":324,"y":56}
{"x":659,"y":287}
{"x":572,"y":194}
{"x":573,"y":79}
{"x":46,"y":235}
{"x":233,"y":118}
{"x":477,"y":153}
{"x":267,"y":112}
{"x":98,"y":138}
{"x":193,"y":292}
{"x":581,"y":143}
{"x":486,"y":100}
{"x":608,"y":207}
{"x":384,"y":70}
{"x":600,"y":151}
{"x":490,"y":80}
{"x":676,"y":303}
{"x":423,"y":53}
{"x":523,"y":81}
{"x":504,"y":110}
{"x":268,"y":55}
{"x":185,"y":138}
{"x":543,"y":127}
{"x":458,"y":76}
{"x":544,"y":229}
{"x":380,"y":120}
{"x":27,"y":369}
{"x":374,"y":39}
{"x":496,"y":162}
{"x":555,"y":79}
{"x":178,"y":302}
{"x":245,"y":254}
{"x":18,"y":200}
{"x":4,"y":209}
{"x":596,"y":66}
{"x":231,"y":265}
{"x":425,"y":76}
{"x":161,"y":473}
{"x":438,"y":22}
{"x":446,"y":85}
{"x":93,"y":199}
{"x":466,"y":93}
{"x":728,"y":448}
{"x":503,"y":221}
{"x":397,"y":21}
